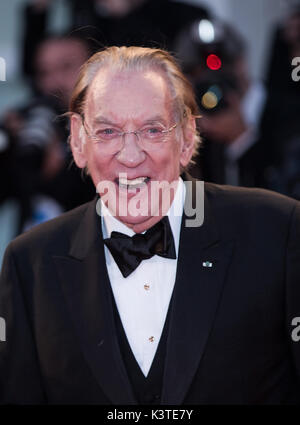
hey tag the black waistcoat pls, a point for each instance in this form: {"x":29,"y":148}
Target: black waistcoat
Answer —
{"x":146,"y":389}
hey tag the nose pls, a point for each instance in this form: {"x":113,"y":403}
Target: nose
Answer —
{"x":131,"y":155}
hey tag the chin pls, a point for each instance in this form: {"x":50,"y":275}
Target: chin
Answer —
{"x":131,"y":220}
{"x":135,"y":210}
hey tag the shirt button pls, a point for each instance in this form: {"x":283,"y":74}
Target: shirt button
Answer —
{"x":146,"y":287}
{"x":151,"y":398}
{"x":151,"y":339}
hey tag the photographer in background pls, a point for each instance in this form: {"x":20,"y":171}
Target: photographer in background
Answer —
{"x":214,"y":57}
{"x":280,"y":124}
{"x":231,"y":152}
{"x":5,"y":165}
{"x":46,"y":183}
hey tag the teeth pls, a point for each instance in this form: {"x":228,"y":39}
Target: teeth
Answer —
{"x":134,"y":182}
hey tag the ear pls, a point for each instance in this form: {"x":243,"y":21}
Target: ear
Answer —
{"x":187,"y":146}
{"x":77,"y":141}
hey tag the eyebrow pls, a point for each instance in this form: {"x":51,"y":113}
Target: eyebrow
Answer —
{"x":100,"y":119}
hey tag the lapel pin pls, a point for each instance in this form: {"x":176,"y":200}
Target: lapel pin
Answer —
{"x":207,"y":264}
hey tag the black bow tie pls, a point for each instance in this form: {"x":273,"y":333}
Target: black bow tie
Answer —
{"x":128,"y":252}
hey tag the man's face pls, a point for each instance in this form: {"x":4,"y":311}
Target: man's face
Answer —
{"x":130,"y":101}
{"x":57,"y":67}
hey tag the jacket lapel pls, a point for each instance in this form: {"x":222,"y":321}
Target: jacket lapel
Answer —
{"x":195,"y":300}
{"x":86,"y":287}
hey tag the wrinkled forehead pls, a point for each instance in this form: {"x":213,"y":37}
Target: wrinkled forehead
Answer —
{"x":128,"y":93}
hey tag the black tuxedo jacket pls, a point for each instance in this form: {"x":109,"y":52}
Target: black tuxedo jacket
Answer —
{"x":230,"y":333}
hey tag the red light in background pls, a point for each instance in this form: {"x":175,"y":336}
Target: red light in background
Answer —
{"x":213,"y":62}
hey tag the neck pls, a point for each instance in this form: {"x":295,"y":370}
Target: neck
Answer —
{"x":145,"y":225}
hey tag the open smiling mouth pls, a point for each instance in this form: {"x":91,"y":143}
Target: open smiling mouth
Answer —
{"x":132,"y":184}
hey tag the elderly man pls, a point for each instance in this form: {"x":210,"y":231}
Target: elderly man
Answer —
{"x":123,"y":300}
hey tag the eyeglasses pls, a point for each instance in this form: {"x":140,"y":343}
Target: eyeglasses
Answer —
{"x":149,"y":137}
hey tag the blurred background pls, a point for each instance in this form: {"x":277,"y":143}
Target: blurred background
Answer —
{"x":242,"y":56}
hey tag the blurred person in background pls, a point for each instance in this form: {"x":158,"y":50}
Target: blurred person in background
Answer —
{"x":232,"y":151}
{"x":45,"y":181}
{"x":8,"y":206}
{"x":214,"y":57}
{"x":284,"y":47}
{"x":113,"y":22}
{"x":5,"y":165}
{"x":280,"y":124}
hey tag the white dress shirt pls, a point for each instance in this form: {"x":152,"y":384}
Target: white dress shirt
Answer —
{"x":143,"y":297}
